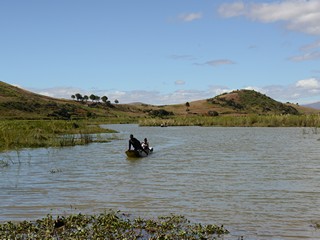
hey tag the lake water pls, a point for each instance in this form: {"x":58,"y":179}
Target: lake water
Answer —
{"x":261,"y":183}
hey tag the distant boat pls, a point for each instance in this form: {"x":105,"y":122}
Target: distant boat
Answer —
{"x":139,"y":153}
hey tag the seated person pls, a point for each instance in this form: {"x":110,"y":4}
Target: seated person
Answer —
{"x":145,"y":144}
{"x":135,"y":143}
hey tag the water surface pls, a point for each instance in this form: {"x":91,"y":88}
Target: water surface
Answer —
{"x":261,"y":183}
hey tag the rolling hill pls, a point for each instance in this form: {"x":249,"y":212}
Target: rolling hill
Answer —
{"x":16,"y":103}
{"x":315,"y":105}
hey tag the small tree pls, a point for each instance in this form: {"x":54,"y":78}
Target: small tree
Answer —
{"x":116,"y":101}
{"x":187,"y":105}
{"x":92,"y":97}
{"x":85,"y":98}
{"x":97,"y":98}
{"x":104,"y":99}
{"x":213,"y":113}
{"x":73,"y":97}
{"x":79,"y":96}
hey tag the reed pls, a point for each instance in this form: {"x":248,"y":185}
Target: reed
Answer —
{"x":18,"y":134}
{"x":236,"y":121}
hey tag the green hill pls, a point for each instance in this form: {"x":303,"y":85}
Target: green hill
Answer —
{"x":16,"y":103}
{"x":249,"y":101}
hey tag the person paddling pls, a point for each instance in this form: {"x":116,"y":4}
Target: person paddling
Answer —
{"x":135,"y":143}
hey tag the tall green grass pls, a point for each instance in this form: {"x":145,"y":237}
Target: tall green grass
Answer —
{"x":15,"y":134}
{"x":237,"y":121}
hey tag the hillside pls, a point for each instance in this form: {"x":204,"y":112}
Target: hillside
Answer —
{"x":240,"y":102}
{"x":249,"y":101}
{"x":16,"y":103}
{"x":315,"y":105}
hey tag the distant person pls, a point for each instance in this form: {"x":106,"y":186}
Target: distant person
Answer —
{"x":135,"y":143}
{"x":145,"y":144}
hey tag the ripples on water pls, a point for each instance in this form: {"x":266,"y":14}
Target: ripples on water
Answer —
{"x":262,"y":183}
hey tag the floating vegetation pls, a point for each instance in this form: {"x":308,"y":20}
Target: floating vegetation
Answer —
{"x":316,"y":224}
{"x":55,"y":170}
{"x":110,"y":225}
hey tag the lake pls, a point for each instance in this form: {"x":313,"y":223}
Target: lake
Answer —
{"x":260,"y":183}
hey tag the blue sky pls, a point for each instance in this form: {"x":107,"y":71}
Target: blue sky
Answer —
{"x":162,"y":52}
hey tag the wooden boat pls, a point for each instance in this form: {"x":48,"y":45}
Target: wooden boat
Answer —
{"x":138,"y":153}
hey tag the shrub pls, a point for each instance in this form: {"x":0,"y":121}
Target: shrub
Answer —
{"x":160,"y":113}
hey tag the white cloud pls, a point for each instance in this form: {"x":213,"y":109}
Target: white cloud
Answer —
{"x":189,"y":17}
{"x":218,"y":62}
{"x":59,"y":92}
{"x":306,"y":56}
{"x":309,"y":52}
{"x":232,"y":9}
{"x":311,"y":46}
{"x":257,"y":89}
{"x":310,"y":83}
{"x":148,"y":97}
{"x":179,"y":82}
{"x":298,"y":15}
{"x":299,"y":91}
{"x":217,"y":90}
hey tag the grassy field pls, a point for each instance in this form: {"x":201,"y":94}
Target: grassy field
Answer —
{"x":237,"y":121}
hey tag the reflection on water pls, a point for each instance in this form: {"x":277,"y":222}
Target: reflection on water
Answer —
{"x":262,"y":183}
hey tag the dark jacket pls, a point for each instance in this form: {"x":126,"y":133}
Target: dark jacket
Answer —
{"x":135,"y":143}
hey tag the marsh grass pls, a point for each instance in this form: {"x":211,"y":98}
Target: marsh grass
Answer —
{"x":110,"y":225}
{"x":237,"y":121}
{"x":18,"y":134}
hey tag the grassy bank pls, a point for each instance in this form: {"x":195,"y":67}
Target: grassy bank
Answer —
{"x":237,"y":121}
{"x":16,"y":134}
{"x":109,"y":225}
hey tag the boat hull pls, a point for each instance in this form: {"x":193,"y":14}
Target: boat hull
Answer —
{"x":138,"y":153}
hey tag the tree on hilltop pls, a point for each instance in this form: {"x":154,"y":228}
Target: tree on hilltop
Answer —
{"x":78,"y":96}
{"x":104,"y":99}
{"x":92,"y":97}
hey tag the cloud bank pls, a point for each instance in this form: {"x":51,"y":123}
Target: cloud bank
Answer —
{"x":302,"y":91}
{"x":297,"y":15}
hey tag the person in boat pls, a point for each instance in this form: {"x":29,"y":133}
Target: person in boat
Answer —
{"x":145,"y":144}
{"x":135,"y":143}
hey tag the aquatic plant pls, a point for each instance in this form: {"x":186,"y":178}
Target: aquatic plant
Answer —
{"x":18,"y":134}
{"x":109,"y":225}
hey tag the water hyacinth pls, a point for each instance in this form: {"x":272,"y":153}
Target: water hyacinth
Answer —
{"x":109,"y":225}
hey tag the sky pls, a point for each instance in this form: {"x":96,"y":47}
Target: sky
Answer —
{"x":162,"y":51}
